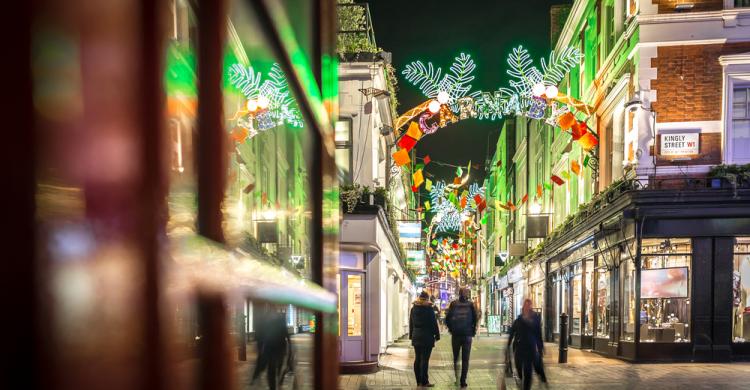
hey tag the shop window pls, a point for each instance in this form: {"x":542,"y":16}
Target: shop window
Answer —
{"x":576,"y":316}
{"x":741,"y":291}
{"x":740,"y":134}
{"x":354,"y":302}
{"x":627,"y":272}
{"x":665,"y":290}
{"x":602,"y":302}
{"x":588,"y":314}
{"x":343,"y":137}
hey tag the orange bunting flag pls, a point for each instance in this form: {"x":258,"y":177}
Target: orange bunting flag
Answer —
{"x":566,"y":120}
{"x":525,"y":198}
{"x":401,"y":157}
{"x":588,"y":141}
{"x":414,"y":131}
{"x":463,"y":202}
{"x":239,"y":134}
{"x":417,"y":178}
{"x":557,"y":180}
{"x":511,"y":206}
{"x":575,"y":167}
{"x":538,"y":190}
{"x":407,"y":142}
{"x":457,"y":180}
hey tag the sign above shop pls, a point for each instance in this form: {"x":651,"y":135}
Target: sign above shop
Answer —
{"x":515,"y":274}
{"x":410,"y":231}
{"x":680,"y":144}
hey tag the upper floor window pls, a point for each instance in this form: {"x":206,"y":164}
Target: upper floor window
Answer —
{"x":343,"y":137}
{"x":741,"y":3}
{"x":740,"y":135}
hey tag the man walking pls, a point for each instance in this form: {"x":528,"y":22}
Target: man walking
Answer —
{"x":528,"y":347}
{"x":462,"y":320}
{"x":423,"y":332}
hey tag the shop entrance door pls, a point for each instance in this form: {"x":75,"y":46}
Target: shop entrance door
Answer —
{"x":352,"y":316}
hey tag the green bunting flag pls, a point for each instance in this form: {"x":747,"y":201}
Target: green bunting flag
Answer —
{"x":548,"y":186}
{"x":586,"y":161}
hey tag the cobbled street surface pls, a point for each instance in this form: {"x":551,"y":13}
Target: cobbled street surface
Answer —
{"x":584,"y":370}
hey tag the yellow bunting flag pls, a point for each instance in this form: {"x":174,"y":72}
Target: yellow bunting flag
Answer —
{"x":428,"y":185}
{"x":417,"y":178}
{"x":427,"y":205}
{"x":414,"y":131}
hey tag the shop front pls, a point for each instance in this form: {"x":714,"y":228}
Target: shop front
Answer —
{"x":645,"y":285}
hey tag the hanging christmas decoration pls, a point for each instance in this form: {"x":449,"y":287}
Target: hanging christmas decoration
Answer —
{"x":269,"y":102}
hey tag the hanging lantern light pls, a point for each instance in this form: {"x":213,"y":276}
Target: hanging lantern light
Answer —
{"x":551,"y":92}
{"x":434,"y":107}
{"x":443,"y":97}
{"x":538,"y":89}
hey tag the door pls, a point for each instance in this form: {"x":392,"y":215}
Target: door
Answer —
{"x":352,"y":316}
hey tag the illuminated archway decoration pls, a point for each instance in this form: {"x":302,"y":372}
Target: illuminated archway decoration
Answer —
{"x":269,"y":102}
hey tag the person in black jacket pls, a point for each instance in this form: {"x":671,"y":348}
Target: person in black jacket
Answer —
{"x":423,"y":332}
{"x":528,"y":347}
{"x":462,"y":321}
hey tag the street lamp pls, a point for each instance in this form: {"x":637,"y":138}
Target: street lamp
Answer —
{"x":632,"y":106}
{"x":535,"y":208}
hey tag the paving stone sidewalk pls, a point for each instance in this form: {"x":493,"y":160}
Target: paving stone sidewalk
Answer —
{"x":584,"y":370}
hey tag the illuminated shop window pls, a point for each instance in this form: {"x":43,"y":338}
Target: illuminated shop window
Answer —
{"x":665,"y":290}
{"x":741,"y":291}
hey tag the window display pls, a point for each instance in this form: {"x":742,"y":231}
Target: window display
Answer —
{"x":665,"y":290}
{"x":602,"y":303}
{"x":741,"y":291}
{"x":588,"y":314}
{"x":627,"y":270}
{"x":576,"y":320}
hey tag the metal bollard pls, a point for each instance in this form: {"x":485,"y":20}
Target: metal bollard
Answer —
{"x":563,"y":356}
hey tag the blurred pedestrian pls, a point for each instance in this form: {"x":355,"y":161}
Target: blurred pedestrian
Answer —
{"x":528,"y":347}
{"x":462,"y":321}
{"x":272,"y":343}
{"x":423,"y":332}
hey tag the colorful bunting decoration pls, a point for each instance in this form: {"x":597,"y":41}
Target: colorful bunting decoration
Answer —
{"x":565,"y":175}
{"x":414,"y":131}
{"x":525,"y":198}
{"x":407,"y":142}
{"x":401,"y":157}
{"x":427,"y":206}
{"x":426,"y":159}
{"x":417,"y":178}
{"x":557,"y":180}
{"x":588,"y":141}
{"x":566,"y":120}
{"x":575,"y":167}
{"x":578,"y":130}
{"x":548,"y":186}
{"x":586,"y":161}
{"x":428,"y":185}
{"x":539,"y":191}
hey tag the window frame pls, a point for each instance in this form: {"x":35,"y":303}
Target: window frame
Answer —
{"x":736,"y":73}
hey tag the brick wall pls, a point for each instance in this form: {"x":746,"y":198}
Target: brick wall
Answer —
{"x":689,"y":81}
{"x":667,"y":6}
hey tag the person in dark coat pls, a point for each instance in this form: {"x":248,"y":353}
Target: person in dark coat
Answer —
{"x":462,"y":321}
{"x":528,"y":347}
{"x":423,"y":332}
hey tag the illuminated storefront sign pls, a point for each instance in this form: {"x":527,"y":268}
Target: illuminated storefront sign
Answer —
{"x":682,"y":144}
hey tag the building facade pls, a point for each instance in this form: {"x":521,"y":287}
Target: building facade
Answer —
{"x":375,"y":287}
{"x":647,"y":249}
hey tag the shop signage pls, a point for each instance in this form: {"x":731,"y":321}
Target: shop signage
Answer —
{"x":537,"y":226}
{"x":267,"y":232}
{"x":680,"y":144}
{"x":410,"y":232}
{"x":500,"y":259}
{"x":515,"y":274}
{"x":415,"y":260}
{"x":517,"y":249}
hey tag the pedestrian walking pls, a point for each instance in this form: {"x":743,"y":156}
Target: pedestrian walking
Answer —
{"x":462,"y":321}
{"x":528,"y":347}
{"x":273,"y":344}
{"x":423,"y":332}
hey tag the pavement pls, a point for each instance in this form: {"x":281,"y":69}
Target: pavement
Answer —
{"x":584,"y":370}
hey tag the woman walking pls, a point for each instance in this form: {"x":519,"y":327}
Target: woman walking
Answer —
{"x":526,"y":340}
{"x":423,"y":332}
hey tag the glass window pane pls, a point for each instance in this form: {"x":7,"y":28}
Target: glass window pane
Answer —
{"x":354,"y":305}
{"x":741,"y":291}
{"x":575,"y":327}
{"x":628,"y":302}
{"x":343,"y":131}
{"x":602,"y":303}
{"x":589,"y":312}
{"x":344,"y":164}
{"x":665,"y":290}
{"x":741,"y":139}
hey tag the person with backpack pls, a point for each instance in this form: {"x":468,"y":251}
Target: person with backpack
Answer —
{"x":423,"y":332}
{"x":462,"y":320}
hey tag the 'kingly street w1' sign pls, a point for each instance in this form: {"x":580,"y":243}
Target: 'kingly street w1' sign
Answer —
{"x":683,"y":144}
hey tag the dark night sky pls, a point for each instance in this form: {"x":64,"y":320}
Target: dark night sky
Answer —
{"x":439,"y":30}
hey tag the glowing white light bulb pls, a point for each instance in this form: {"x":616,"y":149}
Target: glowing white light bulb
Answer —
{"x":443,"y":97}
{"x":263,"y":102}
{"x":537,"y":90}
{"x":252,"y":105}
{"x":551,"y":92}
{"x":535,"y":208}
{"x":434,"y":106}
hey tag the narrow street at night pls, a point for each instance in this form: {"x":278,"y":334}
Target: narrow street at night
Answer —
{"x":584,"y":370}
